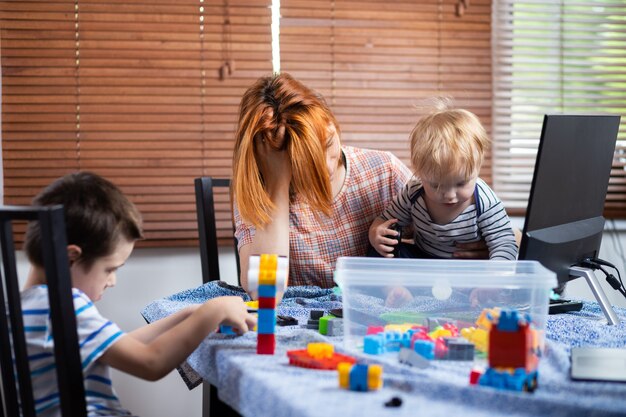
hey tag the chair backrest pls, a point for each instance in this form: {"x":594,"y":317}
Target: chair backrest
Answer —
{"x":207,"y":227}
{"x":16,"y":396}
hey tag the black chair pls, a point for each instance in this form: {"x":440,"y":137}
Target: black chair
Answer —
{"x":19,"y":396}
{"x":209,"y":256}
{"x":207,"y":227}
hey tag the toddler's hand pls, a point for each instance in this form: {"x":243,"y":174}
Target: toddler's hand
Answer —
{"x":379,"y":235}
{"x":472,"y":250}
{"x":486,"y":297}
{"x":398,"y":296}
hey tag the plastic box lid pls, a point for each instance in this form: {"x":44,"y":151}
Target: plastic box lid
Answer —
{"x":459,"y":273}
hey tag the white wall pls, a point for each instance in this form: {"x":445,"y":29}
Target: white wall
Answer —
{"x":155,"y":273}
{"x":150,"y":274}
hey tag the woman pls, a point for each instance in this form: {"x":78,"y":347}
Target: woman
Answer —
{"x":297,"y":191}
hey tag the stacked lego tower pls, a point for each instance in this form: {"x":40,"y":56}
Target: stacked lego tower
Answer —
{"x":268,"y":275}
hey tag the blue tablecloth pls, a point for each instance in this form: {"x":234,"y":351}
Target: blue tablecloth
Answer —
{"x":262,"y":385}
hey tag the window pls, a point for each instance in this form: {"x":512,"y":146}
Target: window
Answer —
{"x":143,"y":92}
{"x":564,"y":56}
{"x":376,"y":62}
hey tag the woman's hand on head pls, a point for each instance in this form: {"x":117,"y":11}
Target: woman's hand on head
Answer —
{"x":274,"y":162}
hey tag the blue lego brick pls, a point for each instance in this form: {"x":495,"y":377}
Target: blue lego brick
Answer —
{"x":225,"y":329}
{"x":508,"y":321}
{"x":267,"y":291}
{"x":425,"y":348}
{"x":506,"y":380}
{"x":393,"y":341}
{"x":358,"y":377}
{"x":266,"y":322}
{"x":374,"y":344}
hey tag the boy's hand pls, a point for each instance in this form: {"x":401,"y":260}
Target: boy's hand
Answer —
{"x":379,"y":236}
{"x":235,"y":313}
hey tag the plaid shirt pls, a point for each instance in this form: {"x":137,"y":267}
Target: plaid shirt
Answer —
{"x":372,"y":180}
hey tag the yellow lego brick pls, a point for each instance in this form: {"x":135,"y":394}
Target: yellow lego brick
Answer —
{"x":440,"y":332}
{"x":344,"y":374}
{"x":402,"y":328}
{"x":320,"y":350}
{"x":479,"y":337}
{"x":483,"y":321}
{"x":374,"y":377}
{"x":254,"y":304}
{"x":268,"y":261}
{"x":267,"y":276}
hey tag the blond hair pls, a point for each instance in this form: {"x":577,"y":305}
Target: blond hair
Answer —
{"x":448,"y":141}
{"x":291,"y":117}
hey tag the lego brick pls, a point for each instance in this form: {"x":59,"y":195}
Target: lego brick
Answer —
{"x":508,"y":321}
{"x":374,"y":344}
{"x":252,"y":305}
{"x":335,"y":327}
{"x":267,"y":277}
{"x":344,"y":374}
{"x":266,"y":322}
{"x":268,"y":261}
{"x":510,"y":349}
{"x":253,"y":272}
{"x":323,"y":327}
{"x":267,"y":303}
{"x":375,"y":329}
{"x":268,"y":291}
{"x":459,"y":349}
{"x":425,"y":348}
{"x":320,"y":350}
{"x":286,"y":320}
{"x":393,"y":341}
{"x":358,"y":377}
{"x":225,"y":329}
{"x":374,"y":377}
{"x":266,"y":344}
{"x":412,"y":358}
{"x":303,"y":359}
{"x":316,"y":314}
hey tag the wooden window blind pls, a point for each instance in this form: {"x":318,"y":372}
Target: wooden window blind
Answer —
{"x":374,"y":61}
{"x":555,"y":57}
{"x":143,"y":92}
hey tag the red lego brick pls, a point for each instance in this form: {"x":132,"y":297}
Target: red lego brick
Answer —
{"x":375,"y":329}
{"x":303,"y":359}
{"x":511,"y":349}
{"x":475,"y":376}
{"x":267,"y":302}
{"x":266,"y":344}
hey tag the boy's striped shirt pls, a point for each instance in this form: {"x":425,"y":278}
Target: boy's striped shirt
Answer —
{"x":95,"y":335}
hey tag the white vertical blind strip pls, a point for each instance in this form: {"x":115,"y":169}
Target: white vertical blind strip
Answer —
{"x":554,"y":57}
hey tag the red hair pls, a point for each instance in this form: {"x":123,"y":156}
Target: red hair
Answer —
{"x":290,"y":117}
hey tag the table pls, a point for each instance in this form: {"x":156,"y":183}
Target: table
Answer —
{"x":262,"y":385}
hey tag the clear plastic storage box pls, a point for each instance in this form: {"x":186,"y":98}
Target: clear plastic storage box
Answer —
{"x":432,"y":293}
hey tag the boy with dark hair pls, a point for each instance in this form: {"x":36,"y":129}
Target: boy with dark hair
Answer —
{"x":102,"y":227}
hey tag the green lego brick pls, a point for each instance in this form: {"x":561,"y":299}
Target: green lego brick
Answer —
{"x":323,"y":329}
